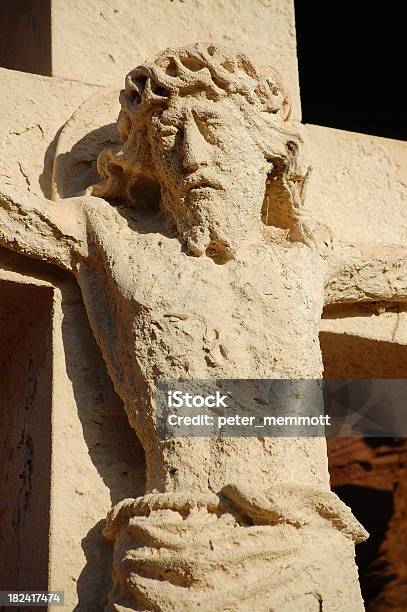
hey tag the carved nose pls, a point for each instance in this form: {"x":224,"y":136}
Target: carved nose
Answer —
{"x":194,"y":147}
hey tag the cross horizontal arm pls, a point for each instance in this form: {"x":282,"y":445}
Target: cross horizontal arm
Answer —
{"x":366,"y":273}
{"x":37,"y":227}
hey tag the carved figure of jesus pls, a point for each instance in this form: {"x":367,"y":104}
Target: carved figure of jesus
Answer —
{"x":196,"y":260}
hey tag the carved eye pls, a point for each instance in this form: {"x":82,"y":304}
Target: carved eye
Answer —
{"x":208,"y":127}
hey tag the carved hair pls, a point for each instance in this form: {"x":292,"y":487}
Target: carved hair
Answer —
{"x":215,"y":71}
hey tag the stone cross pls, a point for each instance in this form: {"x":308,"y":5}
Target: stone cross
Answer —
{"x":196,"y":258}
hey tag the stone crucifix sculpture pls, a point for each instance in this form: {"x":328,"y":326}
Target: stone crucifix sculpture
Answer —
{"x":196,"y":260}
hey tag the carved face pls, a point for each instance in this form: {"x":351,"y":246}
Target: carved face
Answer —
{"x":211,"y":172}
{"x":199,"y":129}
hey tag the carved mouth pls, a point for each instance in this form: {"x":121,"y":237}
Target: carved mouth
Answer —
{"x":202,"y":183}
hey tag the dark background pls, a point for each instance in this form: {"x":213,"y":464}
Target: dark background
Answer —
{"x":351,"y":56}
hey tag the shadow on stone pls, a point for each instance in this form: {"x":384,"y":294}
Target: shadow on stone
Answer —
{"x":98,"y":553}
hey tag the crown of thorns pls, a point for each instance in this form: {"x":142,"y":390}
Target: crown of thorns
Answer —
{"x":214,"y":71}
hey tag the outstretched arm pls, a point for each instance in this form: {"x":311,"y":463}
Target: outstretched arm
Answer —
{"x":40,"y":228}
{"x":366,"y":273}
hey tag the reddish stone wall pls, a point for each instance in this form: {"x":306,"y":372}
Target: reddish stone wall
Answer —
{"x":25,"y":435}
{"x":370,"y":475}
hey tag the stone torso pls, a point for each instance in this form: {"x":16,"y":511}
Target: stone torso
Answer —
{"x":160,"y":313}
{"x":253,"y":317}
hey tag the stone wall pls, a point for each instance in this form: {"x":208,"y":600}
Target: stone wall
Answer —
{"x":66,"y":447}
{"x":370,"y":474}
{"x":25,"y":430}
